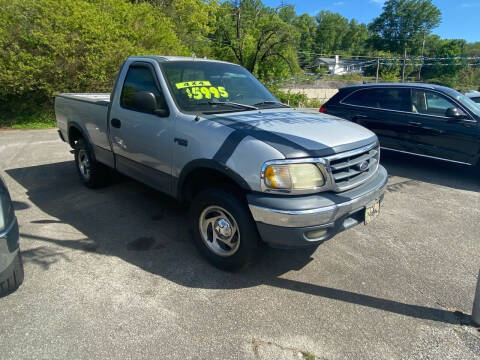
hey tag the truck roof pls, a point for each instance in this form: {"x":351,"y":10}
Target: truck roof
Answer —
{"x":162,"y":58}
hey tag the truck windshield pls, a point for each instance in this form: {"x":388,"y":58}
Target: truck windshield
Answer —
{"x":197,"y":85}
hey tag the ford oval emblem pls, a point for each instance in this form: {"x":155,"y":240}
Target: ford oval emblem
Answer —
{"x":363,"y":165}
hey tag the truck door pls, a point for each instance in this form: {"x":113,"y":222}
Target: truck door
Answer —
{"x":141,"y":128}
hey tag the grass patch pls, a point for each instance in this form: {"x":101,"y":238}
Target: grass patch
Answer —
{"x":38,"y":120}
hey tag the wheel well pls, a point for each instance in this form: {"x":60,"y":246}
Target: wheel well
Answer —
{"x":74,"y":135}
{"x":203,"y":178}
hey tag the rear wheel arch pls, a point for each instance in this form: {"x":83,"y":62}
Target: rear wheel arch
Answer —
{"x":76,"y":133}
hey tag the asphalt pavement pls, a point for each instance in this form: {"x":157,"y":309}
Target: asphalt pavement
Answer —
{"x":112,"y":273}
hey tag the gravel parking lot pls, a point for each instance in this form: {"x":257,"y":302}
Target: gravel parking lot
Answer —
{"x":112,"y":273}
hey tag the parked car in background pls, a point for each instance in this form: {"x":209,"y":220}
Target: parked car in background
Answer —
{"x":211,"y":135}
{"x":474,"y":95}
{"x":420,"y":119}
{"x":11,"y":266}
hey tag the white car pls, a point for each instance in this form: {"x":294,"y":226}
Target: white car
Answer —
{"x":474,"y":95}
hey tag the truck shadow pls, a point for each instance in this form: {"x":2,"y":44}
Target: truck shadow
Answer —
{"x":149,"y":230}
{"x":416,"y":168}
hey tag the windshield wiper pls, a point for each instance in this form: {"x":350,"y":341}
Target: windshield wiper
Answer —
{"x":271,"y":102}
{"x":229,"y":103}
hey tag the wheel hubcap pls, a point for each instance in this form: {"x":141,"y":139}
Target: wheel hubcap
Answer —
{"x":219,"y":231}
{"x":223,"y":228}
{"x":84,"y":164}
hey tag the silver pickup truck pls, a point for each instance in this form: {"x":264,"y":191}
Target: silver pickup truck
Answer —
{"x":209,"y":134}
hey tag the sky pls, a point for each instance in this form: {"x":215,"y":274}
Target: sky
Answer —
{"x":460,"y":18}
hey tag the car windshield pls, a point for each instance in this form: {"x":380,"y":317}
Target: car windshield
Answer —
{"x":204,"y":86}
{"x":466,"y":101}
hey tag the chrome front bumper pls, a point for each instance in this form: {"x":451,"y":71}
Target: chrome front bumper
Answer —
{"x":312,"y":217}
{"x":288,"y":221}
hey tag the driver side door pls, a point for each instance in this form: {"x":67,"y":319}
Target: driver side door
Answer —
{"x":141,"y":139}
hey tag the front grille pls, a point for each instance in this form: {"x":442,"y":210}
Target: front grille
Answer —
{"x":346,"y":170}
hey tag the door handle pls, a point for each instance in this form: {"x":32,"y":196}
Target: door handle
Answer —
{"x":116,"y":123}
{"x":414,"y":123}
{"x":181,"y":142}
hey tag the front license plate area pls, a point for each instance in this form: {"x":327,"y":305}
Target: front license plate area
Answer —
{"x":372,"y":211}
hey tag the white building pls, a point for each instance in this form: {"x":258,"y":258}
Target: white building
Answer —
{"x":337,"y":66}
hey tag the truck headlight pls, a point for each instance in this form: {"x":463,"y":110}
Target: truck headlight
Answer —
{"x":6,"y":210}
{"x":293,"y":176}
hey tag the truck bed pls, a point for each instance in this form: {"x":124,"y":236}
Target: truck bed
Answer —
{"x":95,"y":98}
{"x":88,"y":111}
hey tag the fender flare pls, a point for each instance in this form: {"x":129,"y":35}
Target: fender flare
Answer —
{"x":84,"y":135}
{"x":209,"y":164}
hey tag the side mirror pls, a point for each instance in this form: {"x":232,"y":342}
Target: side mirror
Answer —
{"x":161,"y":112}
{"x":455,"y":114}
{"x":144,"y":101}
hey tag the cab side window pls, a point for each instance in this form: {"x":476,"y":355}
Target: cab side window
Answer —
{"x":140,"y":78}
{"x":429,"y":103}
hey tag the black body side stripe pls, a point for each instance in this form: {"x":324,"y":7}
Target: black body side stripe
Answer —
{"x":229,"y":146}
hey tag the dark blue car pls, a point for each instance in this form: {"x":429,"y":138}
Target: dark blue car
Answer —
{"x":11,"y":267}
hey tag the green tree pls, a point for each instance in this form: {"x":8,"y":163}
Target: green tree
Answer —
{"x":441,"y":71}
{"x":468,"y":78}
{"x":306,"y":26}
{"x":194,"y":22}
{"x":355,"y":39}
{"x":472,"y":49}
{"x":50,"y":46}
{"x":335,"y":34}
{"x":403,"y":23}
{"x":256,"y":37}
{"x":331,"y":31}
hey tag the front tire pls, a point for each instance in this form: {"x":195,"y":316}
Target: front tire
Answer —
{"x":92,"y":174}
{"x":223,"y":229}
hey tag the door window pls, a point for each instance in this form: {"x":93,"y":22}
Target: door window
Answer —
{"x":365,"y":97}
{"x":384,"y":98}
{"x":396,"y":99}
{"x":429,"y":103}
{"x":140,"y":78}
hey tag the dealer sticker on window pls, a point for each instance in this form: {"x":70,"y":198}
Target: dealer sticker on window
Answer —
{"x":187,"y":84}
{"x":200,"y":89}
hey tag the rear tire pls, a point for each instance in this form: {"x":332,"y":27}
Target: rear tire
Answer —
{"x":14,"y":279}
{"x":223,"y":229}
{"x":92,"y":174}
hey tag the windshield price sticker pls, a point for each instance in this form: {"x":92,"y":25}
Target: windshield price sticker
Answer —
{"x":187,"y":84}
{"x":199,"y":90}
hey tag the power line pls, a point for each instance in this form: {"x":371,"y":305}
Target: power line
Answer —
{"x":393,"y":58}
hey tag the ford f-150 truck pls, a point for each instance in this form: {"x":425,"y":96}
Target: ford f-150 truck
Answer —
{"x":211,"y":135}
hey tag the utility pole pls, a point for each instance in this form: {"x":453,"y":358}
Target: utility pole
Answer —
{"x":423,"y":50}
{"x":404,"y":64}
{"x":378,"y":69}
